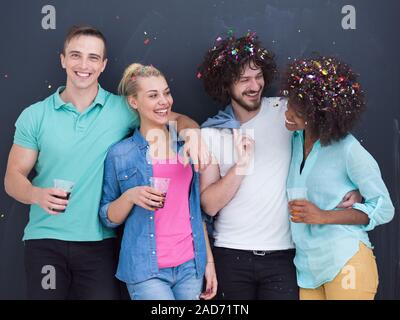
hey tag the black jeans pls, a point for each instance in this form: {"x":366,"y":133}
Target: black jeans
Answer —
{"x":243,"y":275}
{"x":60,"y":270}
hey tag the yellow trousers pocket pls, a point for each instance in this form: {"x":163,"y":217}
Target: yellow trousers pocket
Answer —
{"x":358,"y":280}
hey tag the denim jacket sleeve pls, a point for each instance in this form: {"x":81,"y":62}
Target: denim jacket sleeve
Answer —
{"x":111,"y":191}
{"x":364,"y":172}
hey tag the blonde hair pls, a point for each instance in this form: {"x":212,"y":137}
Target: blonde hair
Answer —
{"x":129,"y":82}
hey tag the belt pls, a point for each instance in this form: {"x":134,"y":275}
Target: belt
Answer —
{"x":261,"y":252}
{"x":266,"y":252}
{"x":258,"y":252}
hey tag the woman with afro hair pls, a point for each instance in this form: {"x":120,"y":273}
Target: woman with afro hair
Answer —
{"x":334,"y":257}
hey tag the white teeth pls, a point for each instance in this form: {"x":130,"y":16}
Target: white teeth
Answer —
{"x":252,"y":94}
{"x":84,"y":75}
{"x":288,"y":122}
{"x":162,"y":112}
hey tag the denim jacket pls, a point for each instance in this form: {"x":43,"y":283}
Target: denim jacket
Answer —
{"x":126,"y":166}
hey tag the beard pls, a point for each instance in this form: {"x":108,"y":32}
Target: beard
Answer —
{"x":248,"y":106}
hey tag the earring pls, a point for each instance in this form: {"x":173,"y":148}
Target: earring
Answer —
{"x":306,"y":123}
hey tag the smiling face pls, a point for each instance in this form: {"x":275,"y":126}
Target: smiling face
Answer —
{"x":153,"y":100}
{"x":83,"y":61}
{"x":247,"y":90}
{"x":294,"y":118}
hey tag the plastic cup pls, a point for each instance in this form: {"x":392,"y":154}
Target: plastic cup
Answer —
{"x":160,"y":184}
{"x":66,"y":186}
{"x":296,"y":194}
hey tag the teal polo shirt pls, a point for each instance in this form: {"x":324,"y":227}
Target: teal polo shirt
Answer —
{"x":72,"y":146}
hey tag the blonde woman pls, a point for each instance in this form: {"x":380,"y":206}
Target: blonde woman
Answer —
{"x":165,"y":251}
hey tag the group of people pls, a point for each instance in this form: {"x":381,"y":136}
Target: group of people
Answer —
{"x":288,"y":192}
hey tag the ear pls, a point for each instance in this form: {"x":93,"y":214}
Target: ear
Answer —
{"x":104,"y":64}
{"x":62,"y":59}
{"x":132,"y":102}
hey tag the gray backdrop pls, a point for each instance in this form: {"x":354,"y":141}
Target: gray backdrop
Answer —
{"x":179,"y":33}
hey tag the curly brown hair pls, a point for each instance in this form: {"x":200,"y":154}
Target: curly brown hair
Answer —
{"x":224,"y":63}
{"x":327,"y":93}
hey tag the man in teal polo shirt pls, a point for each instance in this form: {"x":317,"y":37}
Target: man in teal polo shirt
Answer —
{"x":66,"y":136}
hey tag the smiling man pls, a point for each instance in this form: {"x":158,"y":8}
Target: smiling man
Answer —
{"x":245,"y":186}
{"x":66,"y":136}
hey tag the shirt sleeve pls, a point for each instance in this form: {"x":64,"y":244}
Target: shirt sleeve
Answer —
{"x":27,"y":130}
{"x":111,"y":191}
{"x":364,"y":172}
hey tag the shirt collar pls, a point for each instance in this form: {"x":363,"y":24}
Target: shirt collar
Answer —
{"x":300,"y":133}
{"x":142,"y":143}
{"x":99,"y":100}
{"x":139,"y":140}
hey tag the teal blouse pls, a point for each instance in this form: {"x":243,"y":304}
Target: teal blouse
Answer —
{"x":329,"y":173}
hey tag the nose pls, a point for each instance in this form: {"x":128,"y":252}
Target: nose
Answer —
{"x":255,"y":85}
{"x":163,"y":100}
{"x":83,"y":63}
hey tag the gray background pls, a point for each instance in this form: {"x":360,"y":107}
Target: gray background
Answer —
{"x":180,"y":32}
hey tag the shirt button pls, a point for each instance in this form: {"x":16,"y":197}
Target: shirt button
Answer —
{"x":152,"y":235}
{"x":153,"y":252}
{"x":126,"y":177}
{"x":151,"y":218}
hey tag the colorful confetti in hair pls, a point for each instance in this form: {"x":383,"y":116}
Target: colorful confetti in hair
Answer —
{"x":324,"y":81}
{"x":225,"y":61}
{"x":328,"y":91}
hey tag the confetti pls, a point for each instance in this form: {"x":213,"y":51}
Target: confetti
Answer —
{"x":233,"y":50}
{"x":146,"y":41}
{"x":318,"y":80}
{"x":199,"y":75}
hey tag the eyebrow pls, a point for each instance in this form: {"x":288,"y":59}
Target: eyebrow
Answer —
{"x":167,"y":88}
{"x":245,"y":77}
{"x":90,"y":54}
{"x":72,"y":52}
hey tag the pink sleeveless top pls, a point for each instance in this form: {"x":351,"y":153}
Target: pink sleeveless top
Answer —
{"x":174,"y":241}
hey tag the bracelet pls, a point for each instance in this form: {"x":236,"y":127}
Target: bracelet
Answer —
{"x":211,"y":262}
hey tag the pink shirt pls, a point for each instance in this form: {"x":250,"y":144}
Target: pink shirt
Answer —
{"x":174,"y":241}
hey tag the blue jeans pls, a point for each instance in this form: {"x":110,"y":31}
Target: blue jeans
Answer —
{"x":177,"y":283}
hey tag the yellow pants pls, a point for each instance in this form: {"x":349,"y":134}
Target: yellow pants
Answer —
{"x":358,"y":280}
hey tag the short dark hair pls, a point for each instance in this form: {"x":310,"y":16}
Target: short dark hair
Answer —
{"x":327,"y":93}
{"x":76,"y":31}
{"x":224,"y":63}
